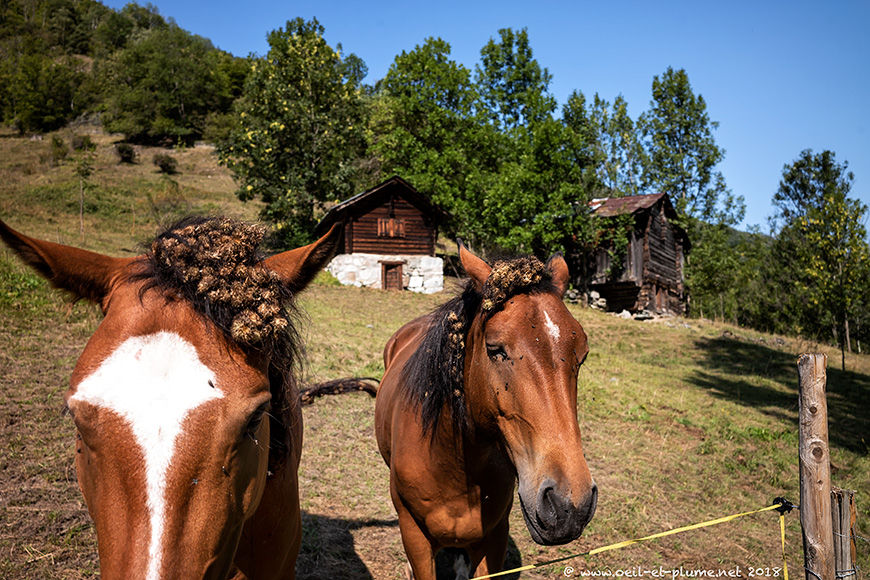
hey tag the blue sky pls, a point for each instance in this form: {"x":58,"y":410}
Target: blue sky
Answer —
{"x":779,"y":77}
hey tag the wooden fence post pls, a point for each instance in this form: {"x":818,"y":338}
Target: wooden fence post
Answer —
{"x":843,"y":515}
{"x":815,"y":469}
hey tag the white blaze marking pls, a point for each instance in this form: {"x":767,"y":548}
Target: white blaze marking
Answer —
{"x":551,"y":327}
{"x":152,"y":382}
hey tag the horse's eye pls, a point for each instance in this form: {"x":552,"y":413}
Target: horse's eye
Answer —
{"x":496,"y":352}
{"x":256,"y":419}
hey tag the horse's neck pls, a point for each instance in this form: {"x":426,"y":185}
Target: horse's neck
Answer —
{"x":478,"y":449}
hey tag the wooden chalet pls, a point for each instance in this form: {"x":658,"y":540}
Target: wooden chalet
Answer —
{"x":651,"y":277}
{"x":388,"y":231}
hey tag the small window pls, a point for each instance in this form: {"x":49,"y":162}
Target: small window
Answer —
{"x":391,"y":228}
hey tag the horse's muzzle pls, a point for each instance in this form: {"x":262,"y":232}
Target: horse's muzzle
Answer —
{"x":555,"y":519}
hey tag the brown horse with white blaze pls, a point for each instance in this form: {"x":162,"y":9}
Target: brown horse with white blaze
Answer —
{"x":477,"y":395}
{"x":189,"y":430}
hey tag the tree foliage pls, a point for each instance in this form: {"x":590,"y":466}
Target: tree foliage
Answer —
{"x":43,"y":93}
{"x":161,"y":86}
{"x":822,"y":243}
{"x":539,"y":201}
{"x":300,"y":128}
{"x":513,"y":85}
{"x":538,"y":198}
{"x":62,"y":59}
{"x":681,"y":153}
{"x":425,"y":127}
{"x":488,"y":150}
{"x":620,"y":154}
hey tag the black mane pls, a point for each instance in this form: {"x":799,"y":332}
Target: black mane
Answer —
{"x":215,"y":265}
{"x":434,"y":374}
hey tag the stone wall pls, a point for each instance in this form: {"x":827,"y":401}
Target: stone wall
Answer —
{"x":419,"y":273}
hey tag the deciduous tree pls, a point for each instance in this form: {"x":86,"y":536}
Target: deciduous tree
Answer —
{"x":301,"y":126}
{"x":514,"y":87}
{"x":621,"y":154}
{"x":824,"y":239}
{"x":162,"y":85}
{"x":539,"y":201}
{"x":681,"y":153}
{"x":425,"y":127}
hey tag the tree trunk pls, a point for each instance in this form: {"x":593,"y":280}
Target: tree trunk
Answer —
{"x":848,"y":339}
{"x":82,"y":208}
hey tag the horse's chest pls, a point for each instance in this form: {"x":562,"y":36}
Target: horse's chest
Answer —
{"x":458,"y":515}
{"x":467,"y":520}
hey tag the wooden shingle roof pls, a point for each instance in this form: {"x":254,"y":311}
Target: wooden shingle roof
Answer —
{"x":376,"y":195}
{"x":612,"y":206}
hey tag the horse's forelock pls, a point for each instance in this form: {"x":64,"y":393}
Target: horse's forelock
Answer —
{"x":215,"y":265}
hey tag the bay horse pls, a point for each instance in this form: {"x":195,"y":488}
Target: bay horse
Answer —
{"x":475,"y":396}
{"x":189,"y":428}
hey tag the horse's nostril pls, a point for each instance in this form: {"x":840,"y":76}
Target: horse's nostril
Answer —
{"x":547,"y":503}
{"x":550,"y":504}
{"x":593,"y":502}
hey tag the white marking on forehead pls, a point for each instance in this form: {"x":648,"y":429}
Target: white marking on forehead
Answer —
{"x":152,"y":382}
{"x":551,"y":327}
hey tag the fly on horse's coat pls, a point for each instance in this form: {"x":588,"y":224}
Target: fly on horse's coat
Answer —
{"x":477,"y":395}
{"x":185,"y":400}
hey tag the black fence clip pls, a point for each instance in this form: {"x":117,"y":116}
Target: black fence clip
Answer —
{"x":785,"y":506}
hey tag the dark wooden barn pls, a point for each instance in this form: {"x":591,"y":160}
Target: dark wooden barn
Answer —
{"x":389,"y":238}
{"x":651,"y":275}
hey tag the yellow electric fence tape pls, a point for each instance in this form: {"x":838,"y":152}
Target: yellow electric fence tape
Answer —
{"x":626,"y":543}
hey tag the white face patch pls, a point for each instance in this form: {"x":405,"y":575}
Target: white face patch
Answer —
{"x":551,"y":327}
{"x":152,"y":382}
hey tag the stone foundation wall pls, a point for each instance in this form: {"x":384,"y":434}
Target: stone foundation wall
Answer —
{"x":419,"y":273}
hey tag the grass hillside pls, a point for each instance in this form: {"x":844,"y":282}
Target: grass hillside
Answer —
{"x":123,"y":204}
{"x":683,"y":420}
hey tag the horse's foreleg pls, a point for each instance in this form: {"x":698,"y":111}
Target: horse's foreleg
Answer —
{"x":421,"y":556}
{"x":488,"y":555}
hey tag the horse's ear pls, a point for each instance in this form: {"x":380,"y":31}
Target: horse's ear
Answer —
{"x":477,"y":269}
{"x":299,"y":267}
{"x":558,"y":268}
{"x":85,"y":274}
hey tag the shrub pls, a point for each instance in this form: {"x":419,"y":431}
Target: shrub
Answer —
{"x":167,"y":163}
{"x":218,"y":127}
{"x":82,"y":143}
{"x":58,"y":150}
{"x":126,"y":152}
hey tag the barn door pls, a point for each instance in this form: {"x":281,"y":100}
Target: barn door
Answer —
{"x":391,"y":275}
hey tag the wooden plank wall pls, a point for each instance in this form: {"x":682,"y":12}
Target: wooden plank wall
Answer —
{"x":419,"y":238}
{"x":663,"y":251}
{"x":663,"y":273}
{"x":633,"y":262}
